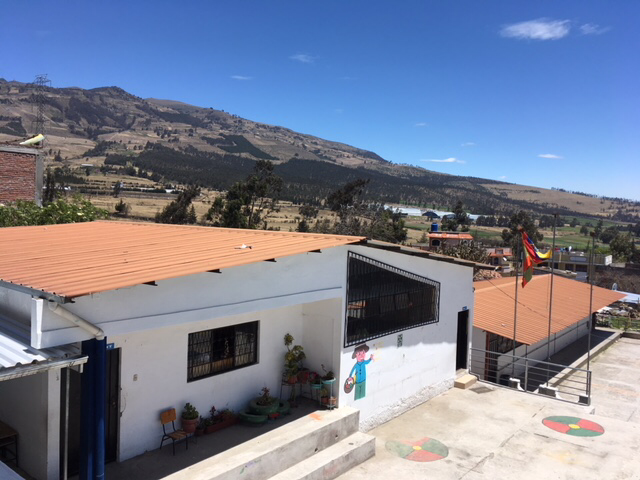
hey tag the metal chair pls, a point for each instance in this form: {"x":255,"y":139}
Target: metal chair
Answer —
{"x":169,"y":417}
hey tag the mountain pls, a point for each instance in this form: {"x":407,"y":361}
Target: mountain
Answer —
{"x":190,"y":144}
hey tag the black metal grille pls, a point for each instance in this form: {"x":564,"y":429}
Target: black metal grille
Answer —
{"x":382,"y":299}
{"x":220,"y":350}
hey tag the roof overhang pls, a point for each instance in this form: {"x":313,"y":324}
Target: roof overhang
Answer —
{"x":19,"y":359}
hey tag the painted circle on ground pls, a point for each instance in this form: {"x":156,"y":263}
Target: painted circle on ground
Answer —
{"x":424,"y":450}
{"x":578,"y":427}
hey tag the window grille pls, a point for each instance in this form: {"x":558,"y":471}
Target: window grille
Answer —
{"x":220,"y":350}
{"x":382,"y":299}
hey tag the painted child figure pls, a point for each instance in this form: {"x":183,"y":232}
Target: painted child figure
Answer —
{"x":359,"y":370}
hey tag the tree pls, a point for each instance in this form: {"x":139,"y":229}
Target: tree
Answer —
{"x":598,"y":229}
{"x":522,"y":219}
{"x":459,"y":219}
{"x":574,"y":222}
{"x":584,"y":230}
{"x":609,"y":234}
{"x":307,"y":212}
{"x":247,"y":204}
{"x":621,"y":247}
{"x":24,"y":213}
{"x":181,"y":210}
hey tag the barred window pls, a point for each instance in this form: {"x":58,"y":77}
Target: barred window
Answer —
{"x":382,"y":299}
{"x":220,"y":350}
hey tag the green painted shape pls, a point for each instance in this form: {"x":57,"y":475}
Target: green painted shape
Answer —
{"x":583,"y":432}
{"x":434,"y":446}
{"x":399,"y":448}
{"x":565,"y":420}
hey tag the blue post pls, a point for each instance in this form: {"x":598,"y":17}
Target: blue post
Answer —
{"x":100,"y":387}
{"x":87,"y":413}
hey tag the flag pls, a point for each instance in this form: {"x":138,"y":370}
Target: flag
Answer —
{"x":531,"y":256}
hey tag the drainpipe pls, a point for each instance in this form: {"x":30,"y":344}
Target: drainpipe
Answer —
{"x":93,"y":434}
{"x":80,"y":322}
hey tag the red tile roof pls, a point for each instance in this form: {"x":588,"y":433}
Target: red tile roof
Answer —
{"x":494,"y":306}
{"x":79,"y":259}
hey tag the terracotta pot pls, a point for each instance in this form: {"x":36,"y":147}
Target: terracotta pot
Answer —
{"x":221,"y":425}
{"x":189,"y":426}
{"x":292,"y":380}
{"x":324,"y":400}
{"x":332,"y":401}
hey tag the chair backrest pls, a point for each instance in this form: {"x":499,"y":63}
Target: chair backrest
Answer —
{"x":168,"y":416}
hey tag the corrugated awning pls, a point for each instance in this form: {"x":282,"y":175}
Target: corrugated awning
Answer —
{"x":19,"y":359}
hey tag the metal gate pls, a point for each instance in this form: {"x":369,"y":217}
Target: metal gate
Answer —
{"x":529,"y":375}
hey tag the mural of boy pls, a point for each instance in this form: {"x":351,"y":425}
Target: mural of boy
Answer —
{"x":358,"y":373}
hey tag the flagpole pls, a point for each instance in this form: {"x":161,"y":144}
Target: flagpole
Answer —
{"x":591,"y":275}
{"x":553,"y":254}
{"x":515,"y":308}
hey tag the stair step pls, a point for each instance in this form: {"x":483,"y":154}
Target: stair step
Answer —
{"x":262,"y":457}
{"x":334,"y":460}
{"x":465,"y":381}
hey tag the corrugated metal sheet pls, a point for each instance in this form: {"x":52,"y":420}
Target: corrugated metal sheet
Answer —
{"x":495,"y":300}
{"x":18,"y":358}
{"x":78,"y":259}
{"x":445,"y":235}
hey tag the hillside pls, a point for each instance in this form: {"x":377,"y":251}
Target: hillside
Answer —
{"x":189,"y":144}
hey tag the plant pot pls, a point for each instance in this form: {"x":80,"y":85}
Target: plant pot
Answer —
{"x":324,"y":400}
{"x":316,"y":386}
{"x":292,"y":380}
{"x":189,"y":426}
{"x":252,"y":419}
{"x":221,"y":425}
{"x":332,"y":401}
{"x":303,"y":376}
{"x":263,"y":409}
{"x":328,"y":382}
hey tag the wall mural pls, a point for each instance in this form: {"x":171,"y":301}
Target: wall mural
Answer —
{"x":358,"y":376}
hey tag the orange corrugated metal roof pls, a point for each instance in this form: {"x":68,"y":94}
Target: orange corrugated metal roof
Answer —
{"x":78,"y":259}
{"x":462,"y":236}
{"x":494,"y":306}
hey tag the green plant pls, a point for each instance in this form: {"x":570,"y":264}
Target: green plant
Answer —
{"x":293,"y":358}
{"x":266,"y":399}
{"x":328,"y":374}
{"x":189,"y":412}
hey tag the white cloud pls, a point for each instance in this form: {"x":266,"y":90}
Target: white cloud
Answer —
{"x":550,"y":155}
{"x":468,"y":144}
{"x":540,"y":29}
{"x":241,"y":77}
{"x":421,"y":124}
{"x":444,"y":160}
{"x":302,"y":57}
{"x":593,"y":29}
{"x":502,"y":177}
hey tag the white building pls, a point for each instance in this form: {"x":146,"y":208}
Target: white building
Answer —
{"x":175,"y":314}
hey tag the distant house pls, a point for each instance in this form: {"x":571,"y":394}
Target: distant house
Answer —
{"x":451,"y":239}
{"x":408,"y":211}
{"x":21,"y":174}
{"x":164,"y":315}
{"x":493,"y":323}
{"x":500,"y":256}
{"x":431,"y":214}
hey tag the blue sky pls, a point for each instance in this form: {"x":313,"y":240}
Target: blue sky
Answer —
{"x":542,"y":93}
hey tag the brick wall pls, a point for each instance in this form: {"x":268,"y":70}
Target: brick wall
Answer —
{"x":20,"y":174}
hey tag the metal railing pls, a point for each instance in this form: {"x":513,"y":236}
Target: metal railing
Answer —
{"x":530,"y":375}
{"x":628,"y":324}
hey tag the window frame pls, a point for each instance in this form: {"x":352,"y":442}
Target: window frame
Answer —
{"x":213,"y":360}
{"x":387,"y":300}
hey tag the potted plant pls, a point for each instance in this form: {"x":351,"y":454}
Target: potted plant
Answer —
{"x":220,"y":419}
{"x":292,"y":359}
{"x":328,"y":377}
{"x":316,"y":381}
{"x":265,"y":404}
{"x":190,"y":418}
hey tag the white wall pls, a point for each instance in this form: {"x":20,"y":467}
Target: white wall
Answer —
{"x":321,"y":321}
{"x":261,"y":286}
{"x":31,"y":406}
{"x":159,"y":360}
{"x":400,"y":378}
{"x":537,"y":351}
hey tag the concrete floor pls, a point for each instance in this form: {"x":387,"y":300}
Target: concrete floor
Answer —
{"x":495,"y":433}
{"x":491,"y":433}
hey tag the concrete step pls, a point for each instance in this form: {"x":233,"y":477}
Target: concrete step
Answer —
{"x":465,"y":381}
{"x":275,"y":451}
{"x":334,"y":460}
